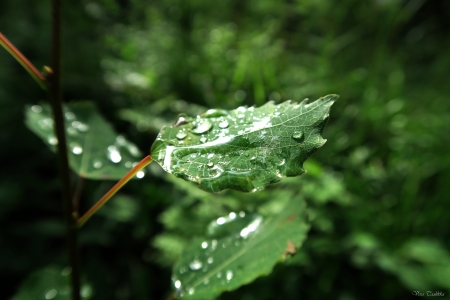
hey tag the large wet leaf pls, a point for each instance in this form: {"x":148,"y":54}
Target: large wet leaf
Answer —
{"x":50,"y":283}
{"x":244,"y":149}
{"x":95,"y":150}
{"x":253,"y":245}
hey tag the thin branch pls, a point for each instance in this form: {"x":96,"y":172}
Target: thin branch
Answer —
{"x":142,"y":164}
{"x":63,"y":162}
{"x":31,"y":69}
{"x":77,"y":195}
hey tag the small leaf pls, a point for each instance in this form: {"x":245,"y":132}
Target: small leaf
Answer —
{"x":210,"y":266}
{"x":95,"y":150}
{"x":49,"y":283}
{"x":244,"y":149}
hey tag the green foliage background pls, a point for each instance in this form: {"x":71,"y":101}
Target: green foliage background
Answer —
{"x":377,"y":192}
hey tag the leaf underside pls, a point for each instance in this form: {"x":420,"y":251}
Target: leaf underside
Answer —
{"x":211,"y":266}
{"x":244,"y":149}
{"x":95,"y":150}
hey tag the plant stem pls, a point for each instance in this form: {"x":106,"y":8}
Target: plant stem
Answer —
{"x":142,"y":164}
{"x":77,"y":195}
{"x":63,"y":162}
{"x":31,"y":69}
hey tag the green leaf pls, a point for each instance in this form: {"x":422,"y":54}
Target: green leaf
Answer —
{"x":211,"y":266}
{"x":244,"y":149}
{"x":49,"y":283}
{"x":95,"y":150}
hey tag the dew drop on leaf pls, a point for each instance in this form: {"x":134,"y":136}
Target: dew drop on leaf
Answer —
{"x":191,"y":291}
{"x":69,"y":115}
{"x":114,"y":154}
{"x":203,"y":139}
{"x":210,"y":260}
{"x":36,"y":108}
{"x":52,"y":140}
{"x":181,"y":134}
{"x":229,"y":275}
{"x":195,"y":265}
{"x":297,"y":135}
{"x":97,"y":164}
{"x":224,"y":124}
{"x":205,"y":245}
{"x":202,"y":127}
{"x":76,"y":148}
{"x":177,"y":284}
{"x":210,"y":164}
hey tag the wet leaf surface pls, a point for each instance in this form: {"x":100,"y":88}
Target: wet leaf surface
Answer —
{"x":95,"y":150}
{"x":211,"y":266}
{"x":244,"y":149}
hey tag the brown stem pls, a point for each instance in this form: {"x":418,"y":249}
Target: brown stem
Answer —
{"x":63,"y":162}
{"x":77,"y":195}
{"x":23,"y":61}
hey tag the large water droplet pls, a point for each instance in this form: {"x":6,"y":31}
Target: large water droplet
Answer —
{"x":297,"y":135}
{"x":76,"y":148}
{"x":36,"y":108}
{"x":202,"y":126}
{"x":114,"y":154}
{"x":205,"y":245}
{"x":229,"y":275}
{"x":224,"y":124}
{"x":195,"y":265}
{"x":52,"y":140}
{"x":181,"y":134}
{"x":140,"y":174}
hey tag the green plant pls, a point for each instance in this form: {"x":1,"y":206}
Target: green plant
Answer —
{"x":244,"y":149}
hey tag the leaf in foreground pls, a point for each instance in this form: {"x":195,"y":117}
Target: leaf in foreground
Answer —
{"x":244,"y":149}
{"x":95,"y":150}
{"x":50,"y":283}
{"x":213,"y":265}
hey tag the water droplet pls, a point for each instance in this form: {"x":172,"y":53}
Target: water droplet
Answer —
{"x":129,"y":164}
{"x":224,"y":124}
{"x":69,"y":115}
{"x":219,"y":275}
{"x":177,"y":284}
{"x":211,"y":155}
{"x":51,"y":294}
{"x":114,"y":154}
{"x":120,"y":140}
{"x":36,"y":108}
{"x":282,"y":162}
{"x":229,"y":275}
{"x":181,"y":121}
{"x":140,"y":174}
{"x":242,"y":214}
{"x":71,"y":131}
{"x":232,"y":215}
{"x":191,"y":291}
{"x":181,"y":134}
{"x":220,"y":221}
{"x":202,"y":127}
{"x":133,"y":150}
{"x":298,"y":135}
{"x":80,"y":126}
{"x":210,"y":164}
{"x":251,"y":227}
{"x":195,"y":265}
{"x":203,"y":139}
{"x":213,"y":245}
{"x":210,"y":260}
{"x":206,"y":281}
{"x":182,"y":270}
{"x":97,"y":164}
{"x":76,"y":148}
{"x":205,"y":245}
{"x":52,"y":140}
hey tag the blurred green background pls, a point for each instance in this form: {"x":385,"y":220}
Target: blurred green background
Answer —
{"x":377,"y":192}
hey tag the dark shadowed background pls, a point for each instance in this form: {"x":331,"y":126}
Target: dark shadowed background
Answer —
{"x":378,"y":191}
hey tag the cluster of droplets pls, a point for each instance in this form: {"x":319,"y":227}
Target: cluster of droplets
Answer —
{"x":205,"y":263}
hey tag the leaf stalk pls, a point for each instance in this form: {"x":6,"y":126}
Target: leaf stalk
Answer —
{"x":142,"y":164}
